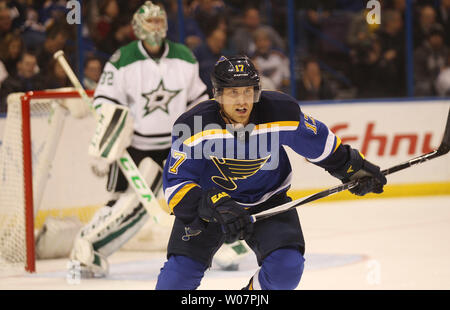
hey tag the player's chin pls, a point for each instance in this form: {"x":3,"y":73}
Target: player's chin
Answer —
{"x":241,"y":118}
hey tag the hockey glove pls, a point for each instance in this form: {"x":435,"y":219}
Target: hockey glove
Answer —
{"x":218,"y":206}
{"x":370,"y":179}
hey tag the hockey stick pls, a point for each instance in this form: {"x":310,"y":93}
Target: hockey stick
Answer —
{"x":125,"y":162}
{"x":442,"y":150}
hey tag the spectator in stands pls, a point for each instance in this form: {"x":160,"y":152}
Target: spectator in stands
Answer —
{"x":242,"y":39}
{"x":55,"y":76}
{"x":443,"y":17}
{"x":361,"y":37}
{"x":443,"y":81}
{"x":427,"y":18}
{"x":399,"y":5}
{"x":33,"y":31}
{"x":392,"y":64}
{"x":25,"y":79}
{"x":206,"y":12}
{"x":266,"y":83}
{"x":311,"y":16}
{"x":429,"y":60}
{"x":51,"y":12}
{"x":121,"y":34}
{"x":56,"y":38}
{"x":312,"y":85}
{"x":11,"y":47}
{"x":108,"y":11}
{"x":271,"y":62}
{"x":366,"y":72}
{"x":16,"y":12}
{"x":129,"y":7}
{"x":193,"y":35}
{"x":92,"y":72}
{"x":5,"y":21}
{"x":360,"y":33}
{"x":208,"y":53}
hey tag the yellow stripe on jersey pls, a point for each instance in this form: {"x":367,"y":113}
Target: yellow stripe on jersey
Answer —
{"x":180,"y":195}
{"x":202,"y":134}
{"x":277,"y":124}
{"x":223,"y":133}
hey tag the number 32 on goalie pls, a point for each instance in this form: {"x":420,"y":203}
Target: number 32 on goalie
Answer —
{"x":180,"y":158}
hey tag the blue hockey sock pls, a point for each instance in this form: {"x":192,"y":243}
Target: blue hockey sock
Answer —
{"x":281,"y":270}
{"x":180,"y":273}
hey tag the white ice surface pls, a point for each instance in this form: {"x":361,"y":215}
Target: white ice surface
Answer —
{"x":401,"y":243}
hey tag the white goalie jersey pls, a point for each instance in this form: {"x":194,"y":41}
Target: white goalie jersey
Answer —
{"x":156,"y":91}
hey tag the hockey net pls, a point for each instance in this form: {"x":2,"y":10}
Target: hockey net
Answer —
{"x":47,"y":179}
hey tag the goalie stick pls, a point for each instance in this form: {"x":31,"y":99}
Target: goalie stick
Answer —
{"x":125,"y":162}
{"x":442,"y":150}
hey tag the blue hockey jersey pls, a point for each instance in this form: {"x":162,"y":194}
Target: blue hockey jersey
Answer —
{"x":248,"y":163}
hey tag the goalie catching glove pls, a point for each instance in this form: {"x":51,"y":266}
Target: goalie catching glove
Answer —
{"x":218,"y":206}
{"x":113,"y":133}
{"x":369,"y":177}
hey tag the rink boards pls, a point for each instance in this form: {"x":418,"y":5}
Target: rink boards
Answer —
{"x":387,"y":132}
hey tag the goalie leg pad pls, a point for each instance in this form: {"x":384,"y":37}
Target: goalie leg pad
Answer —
{"x":113,"y":226}
{"x":86,"y":262}
{"x":55,"y":238}
{"x":108,"y":230}
{"x":116,"y":223}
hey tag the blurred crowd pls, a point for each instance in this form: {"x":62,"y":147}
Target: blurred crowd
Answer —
{"x":337,"y":53}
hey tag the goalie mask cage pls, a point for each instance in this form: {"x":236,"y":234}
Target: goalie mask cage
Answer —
{"x":25,"y":168}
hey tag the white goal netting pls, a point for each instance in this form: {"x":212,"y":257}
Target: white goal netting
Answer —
{"x":67,"y":183}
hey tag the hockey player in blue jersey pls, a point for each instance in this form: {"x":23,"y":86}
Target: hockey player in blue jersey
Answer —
{"x":228,"y":161}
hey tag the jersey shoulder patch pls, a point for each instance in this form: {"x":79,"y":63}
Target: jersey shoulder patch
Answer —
{"x":180,"y":51}
{"x":127,"y":55}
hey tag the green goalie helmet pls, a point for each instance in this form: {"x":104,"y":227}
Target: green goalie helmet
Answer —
{"x":150,"y":23}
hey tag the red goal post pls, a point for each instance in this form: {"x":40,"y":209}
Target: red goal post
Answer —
{"x":17,"y":191}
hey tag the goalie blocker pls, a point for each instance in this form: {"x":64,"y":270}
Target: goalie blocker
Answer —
{"x":113,"y":133}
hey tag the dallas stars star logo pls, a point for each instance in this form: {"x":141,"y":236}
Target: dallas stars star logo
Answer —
{"x":159,"y":98}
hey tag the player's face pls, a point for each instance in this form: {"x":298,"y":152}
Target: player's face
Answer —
{"x":238,"y":103}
